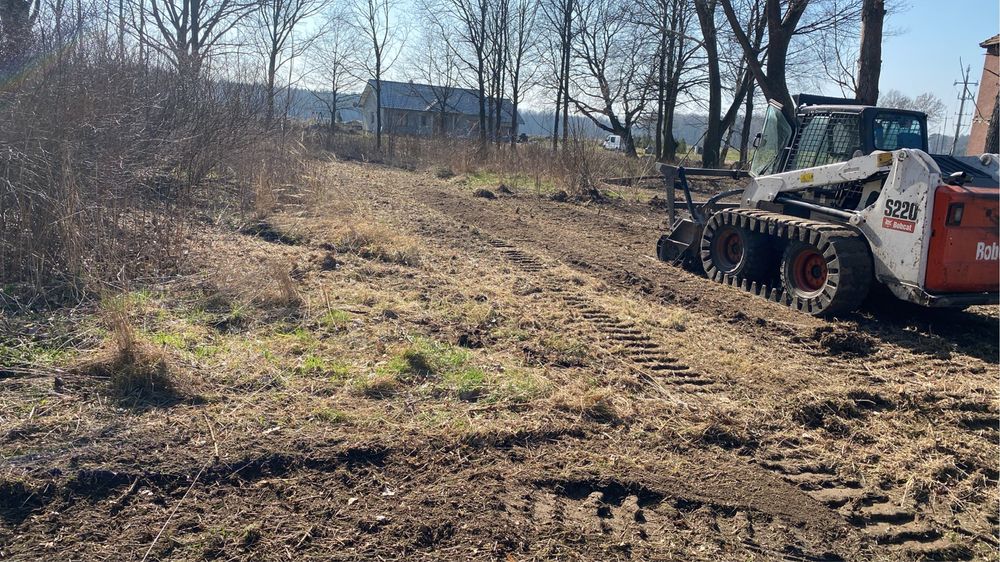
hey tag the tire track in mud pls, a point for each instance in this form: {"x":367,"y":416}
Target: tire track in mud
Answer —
{"x":631,"y":510}
{"x":654,"y":364}
{"x":885,"y":517}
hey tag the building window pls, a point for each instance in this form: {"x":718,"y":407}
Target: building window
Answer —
{"x":423,"y":120}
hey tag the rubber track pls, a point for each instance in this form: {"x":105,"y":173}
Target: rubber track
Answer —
{"x":818,"y":233}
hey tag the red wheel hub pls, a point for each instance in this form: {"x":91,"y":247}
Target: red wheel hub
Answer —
{"x":729,"y":249}
{"x":809,"y":270}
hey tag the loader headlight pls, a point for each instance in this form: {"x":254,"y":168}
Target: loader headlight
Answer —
{"x":955,"y":211}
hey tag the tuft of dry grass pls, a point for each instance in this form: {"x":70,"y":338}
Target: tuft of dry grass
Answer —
{"x":592,"y":404}
{"x":374,"y":241}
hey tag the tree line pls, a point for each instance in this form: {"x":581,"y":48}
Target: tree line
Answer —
{"x":623,"y":64}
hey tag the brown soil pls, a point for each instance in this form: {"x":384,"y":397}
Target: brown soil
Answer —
{"x":619,"y":408}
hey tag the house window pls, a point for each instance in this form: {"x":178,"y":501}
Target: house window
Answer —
{"x":423,"y":120}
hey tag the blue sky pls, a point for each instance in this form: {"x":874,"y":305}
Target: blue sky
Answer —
{"x":930,"y":37}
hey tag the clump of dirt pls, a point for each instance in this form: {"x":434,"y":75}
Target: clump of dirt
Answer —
{"x":484,"y":193}
{"x":329,"y":262}
{"x":657,"y":203}
{"x":504,"y":190}
{"x":470,"y":340}
{"x":829,"y":414}
{"x":266,"y":231}
{"x":560,"y":196}
{"x":18,"y":500}
{"x":845,"y":342}
{"x":444,"y":173}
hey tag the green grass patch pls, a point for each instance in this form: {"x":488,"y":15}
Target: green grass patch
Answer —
{"x":335,"y":319}
{"x":491,"y":180}
{"x":467,"y":382}
{"x":442,"y":368}
{"x":519,"y":386}
{"x":30,"y":354}
{"x":206,"y":351}
{"x":175,"y":340}
{"x":315,"y":364}
{"x":330,"y":415}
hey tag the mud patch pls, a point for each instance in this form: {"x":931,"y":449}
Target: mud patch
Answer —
{"x":19,"y":500}
{"x":844,"y":342}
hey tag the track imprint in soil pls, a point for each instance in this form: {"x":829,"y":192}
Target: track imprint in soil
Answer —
{"x":886,"y":520}
{"x":633,"y":512}
{"x":638,"y":348}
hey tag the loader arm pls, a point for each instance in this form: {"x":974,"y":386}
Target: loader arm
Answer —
{"x":768,"y":188}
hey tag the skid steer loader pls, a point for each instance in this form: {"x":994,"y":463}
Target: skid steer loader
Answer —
{"x":844,"y":198}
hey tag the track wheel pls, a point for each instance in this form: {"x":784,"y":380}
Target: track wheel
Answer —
{"x":829,"y":278}
{"x":730,"y":249}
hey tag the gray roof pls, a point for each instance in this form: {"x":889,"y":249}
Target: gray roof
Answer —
{"x":425,"y":97}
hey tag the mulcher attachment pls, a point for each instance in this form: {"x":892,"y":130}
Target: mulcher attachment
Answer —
{"x":811,"y":266}
{"x":680,"y":247}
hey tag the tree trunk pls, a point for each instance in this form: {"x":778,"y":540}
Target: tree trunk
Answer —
{"x":870,"y":59}
{"x":271,"y":71}
{"x":626,"y":135}
{"x":713,"y":136}
{"x":555,"y":123}
{"x":378,"y":110}
{"x":567,"y":45}
{"x":661,"y":86}
{"x":481,"y":82}
{"x":747,"y":123}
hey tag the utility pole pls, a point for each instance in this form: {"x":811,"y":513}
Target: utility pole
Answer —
{"x":961,"y":106}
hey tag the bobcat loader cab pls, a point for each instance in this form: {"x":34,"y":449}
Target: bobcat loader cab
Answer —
{"x":846,"y":197}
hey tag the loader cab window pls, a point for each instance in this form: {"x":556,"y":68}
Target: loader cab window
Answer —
{"x":825,"y":138}
{"x":898,"y":130}
{"x":772,"y":141}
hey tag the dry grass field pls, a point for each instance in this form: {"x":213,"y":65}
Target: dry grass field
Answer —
{"x":391,"y":368}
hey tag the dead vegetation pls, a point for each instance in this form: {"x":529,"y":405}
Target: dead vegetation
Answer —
{"x":399,"y":383}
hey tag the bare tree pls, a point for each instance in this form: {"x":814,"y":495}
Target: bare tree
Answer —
{"x":671,"y":21}
{"x":927,"y":103}
{"x":786,"y":20}
{"x":870,"y":58}
{"x":770,"y":75}
{"x":378,"y":29}
{"x":329,"y":65}
{"x":523,"y":25}
{"x":742,"y":77}
{"x":559,"y":22}
{"x":615,"y":81}
{"x":189,"y":30}
{"x":276,"y":20}
{"x":470,"y":21}
{"x":498,"y":36}
{"x":435,"y":63}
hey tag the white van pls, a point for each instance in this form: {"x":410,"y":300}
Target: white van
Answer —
{"x":613,"y":142}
